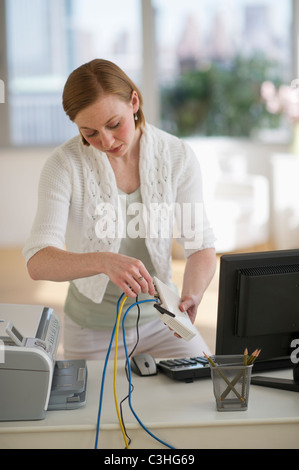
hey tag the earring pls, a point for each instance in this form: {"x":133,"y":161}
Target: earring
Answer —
{"x":136,"y":117}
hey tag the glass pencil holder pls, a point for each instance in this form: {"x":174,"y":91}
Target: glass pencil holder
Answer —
{"x":231,"y":382}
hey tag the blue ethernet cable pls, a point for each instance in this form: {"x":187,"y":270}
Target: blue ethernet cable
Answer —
{"x":129,"y":376}
{"x":129,"y":373}
{"x":104,"y":374}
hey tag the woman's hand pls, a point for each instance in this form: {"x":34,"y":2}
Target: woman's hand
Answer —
{"x":199,"y":271}
{"x":129,"y":274}
{"x":190,"y":305}
{"x":54,"y":264}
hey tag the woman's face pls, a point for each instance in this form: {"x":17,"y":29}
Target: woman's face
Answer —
{"x":109,"y":125}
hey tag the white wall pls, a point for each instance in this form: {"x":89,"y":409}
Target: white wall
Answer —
{"x":19,"y":176}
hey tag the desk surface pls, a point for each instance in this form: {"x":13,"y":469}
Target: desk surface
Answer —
{"x":181,"y":414}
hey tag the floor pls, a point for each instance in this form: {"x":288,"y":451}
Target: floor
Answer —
{"x":17,"y":287}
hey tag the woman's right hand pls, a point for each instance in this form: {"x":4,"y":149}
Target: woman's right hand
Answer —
{"x":54,"y":264}
{"x":128,"y":273}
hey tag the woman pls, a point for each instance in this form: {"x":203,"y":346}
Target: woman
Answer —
{"x":86,"y":230}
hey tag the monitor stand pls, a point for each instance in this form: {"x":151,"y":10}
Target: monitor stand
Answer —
{"x":283,"y":384}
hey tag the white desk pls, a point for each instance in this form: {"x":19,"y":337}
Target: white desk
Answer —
{"x":183,"y":414}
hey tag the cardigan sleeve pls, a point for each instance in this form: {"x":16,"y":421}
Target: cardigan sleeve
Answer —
{"x":194,"y":229}
{"x":54,"y":194}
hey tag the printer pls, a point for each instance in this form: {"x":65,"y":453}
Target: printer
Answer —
{"x":32,"y":382}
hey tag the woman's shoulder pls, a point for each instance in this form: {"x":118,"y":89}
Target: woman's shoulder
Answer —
{"x":66,"y":154}
{"x":179,"y":149}
{"x":176,"y":144}
{"x":70,"y":148}
{"x":162,"y":135}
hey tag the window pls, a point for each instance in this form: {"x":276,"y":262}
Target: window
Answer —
{"x":212,"y":58}
{"x":47,"y":39}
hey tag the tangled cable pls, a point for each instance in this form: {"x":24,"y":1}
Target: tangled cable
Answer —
{"x":121,"y":301}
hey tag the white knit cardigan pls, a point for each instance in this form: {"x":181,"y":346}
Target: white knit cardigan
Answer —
{"x":76,"y":181}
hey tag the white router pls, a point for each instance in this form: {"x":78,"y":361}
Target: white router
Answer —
{"x":169,"y":312}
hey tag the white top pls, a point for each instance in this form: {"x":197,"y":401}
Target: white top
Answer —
{"x":79,"y":204}
{"x":92,"y":315}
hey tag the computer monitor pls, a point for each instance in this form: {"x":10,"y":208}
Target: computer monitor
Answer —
{"x":258,"y":306}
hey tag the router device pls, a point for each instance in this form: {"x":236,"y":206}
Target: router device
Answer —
{"x":169,"y":312}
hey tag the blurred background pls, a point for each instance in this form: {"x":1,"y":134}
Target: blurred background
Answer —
{"x":221,"y":74}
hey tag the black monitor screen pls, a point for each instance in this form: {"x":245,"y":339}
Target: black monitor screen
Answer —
{"x":258,"y":305}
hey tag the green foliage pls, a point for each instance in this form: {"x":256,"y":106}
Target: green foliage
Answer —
{"x":220,"y":100}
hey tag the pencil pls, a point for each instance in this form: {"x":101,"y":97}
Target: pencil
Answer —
{"x":251,"y":357}
{"x":244,"y":372}
{"x":210,"y":360}
{"x":245,"y":357}
{"x":254,"y":356}
{"x":224,"y":378}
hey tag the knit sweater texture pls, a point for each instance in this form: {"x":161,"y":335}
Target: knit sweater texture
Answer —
{"x":78,"y":203}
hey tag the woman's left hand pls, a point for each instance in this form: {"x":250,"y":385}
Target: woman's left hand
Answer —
{"x":190,"y":304}
{"x":199,"y":271}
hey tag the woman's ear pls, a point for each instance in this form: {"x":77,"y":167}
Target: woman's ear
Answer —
{"x":135,"y":101}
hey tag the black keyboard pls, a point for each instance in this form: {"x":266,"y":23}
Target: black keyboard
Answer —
{"x":186,"y":369}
